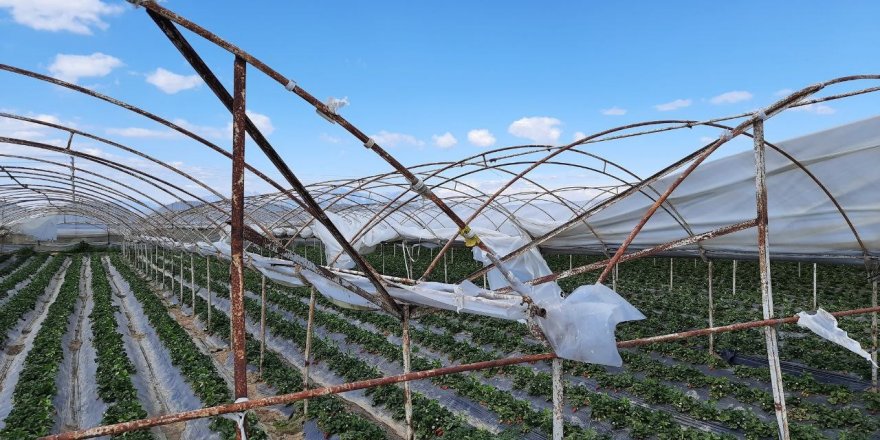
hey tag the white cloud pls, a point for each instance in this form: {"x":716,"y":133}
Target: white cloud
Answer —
{"x":578,"y":135}
{"x":73,"y":67}
{"x":818,"y":109}
{"x":171,"y":83}
{"x":446,"y":140}
{"x":263,"y":123}
{"x":540,"y":129}
{"x":329,"y":139}
{"x":672,"y":105}
{"x":17,"y":129}
{"x":393,"y":140}
{"x":731,"y":97}
{"x":614,"y":111}
{"x":77,"y":16}
{"x":783,"y":92}
{"x":138,"y":132}
{"x":205,"y":130}
{"x":481,"y":137}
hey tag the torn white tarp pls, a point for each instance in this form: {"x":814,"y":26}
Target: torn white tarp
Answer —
{"x":824,"y":324}
{"x":580,"y":327}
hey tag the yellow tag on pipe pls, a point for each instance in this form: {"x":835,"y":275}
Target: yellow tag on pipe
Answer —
{"x":470,"y":240}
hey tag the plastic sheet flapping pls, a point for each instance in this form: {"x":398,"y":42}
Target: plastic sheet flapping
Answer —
{"x":824,"y":324}
{"x":580,"y":326}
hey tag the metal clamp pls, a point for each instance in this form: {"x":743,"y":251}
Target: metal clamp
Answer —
{"x":419,"y":187}
{"x":291,"y":85}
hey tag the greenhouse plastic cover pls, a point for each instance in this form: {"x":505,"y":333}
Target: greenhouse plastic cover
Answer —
{"x":803,"y":220}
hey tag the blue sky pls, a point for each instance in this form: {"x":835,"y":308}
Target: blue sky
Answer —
{"x":415,"y":71}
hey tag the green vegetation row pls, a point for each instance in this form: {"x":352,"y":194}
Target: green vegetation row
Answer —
{"x":21,"y":255}
{"x":33,"y":411}
{"x":655,"y":392}
{"x":196,"y":367}
{"x":430,"y":419}
{"x":115,"y":369}
{"x":26,"y":270}
{"x":331,"y":414}
{"x":26,"y":299}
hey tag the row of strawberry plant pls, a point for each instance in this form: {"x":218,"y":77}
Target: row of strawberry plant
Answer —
{"x":26,"y":270}
{"x":332,"y":416}
{"x":115,"y":369}
{"x":330,"y":413}
{"x":33,"y":411}
{"x":824,"y":416}
{"x":524,"y":378}
{"x":429,"y":417}
{"x":196,"y":367}
{"x":21,"y":256}
{"x":510,"y":409}
{"x":26,"y":299}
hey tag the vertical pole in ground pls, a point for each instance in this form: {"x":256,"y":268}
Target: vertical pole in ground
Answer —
{"x":208,"y":286}
{"x":445,"y":271}
{"x":670,"y":274}
{"x":874,"y":337}
{"x":815,"y":296}
{"x":308,"y":353}
{"x":557,"y":399}
{"x":614,"y":279}
{"x":407,"y":392}
{"x":236,"y":272}
{"x":171,"y":272}
{"x":711,"y":312}
{"x":734,"y":277}
{"x":192,"y":281}
{"x":180,"y":280}
{"x":766,"y":282}
{"x":262,"y":322}
{"x":799,"y":269}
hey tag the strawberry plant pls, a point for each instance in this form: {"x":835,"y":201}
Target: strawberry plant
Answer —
{"x":33,"y":412}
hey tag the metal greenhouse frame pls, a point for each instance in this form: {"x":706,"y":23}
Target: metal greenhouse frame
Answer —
{"x":425,"y":194}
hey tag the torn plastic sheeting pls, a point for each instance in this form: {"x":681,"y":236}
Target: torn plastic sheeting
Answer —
{"x":350,"y":227}
{"x":824,"y":324}
{"x":581,"y":326}
{"x":524,"y":267}
{"x":336,"y":292}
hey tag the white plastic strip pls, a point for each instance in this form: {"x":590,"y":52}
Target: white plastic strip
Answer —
{"x":824,"y":324}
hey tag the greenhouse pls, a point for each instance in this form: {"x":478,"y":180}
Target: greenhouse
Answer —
{"x":723,"y":296}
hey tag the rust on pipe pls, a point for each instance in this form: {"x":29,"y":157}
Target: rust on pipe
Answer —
{"x":236,"y":271}
{"x":351,"y":386}
{"x":766,"y":282}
